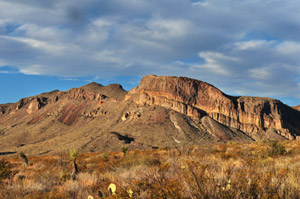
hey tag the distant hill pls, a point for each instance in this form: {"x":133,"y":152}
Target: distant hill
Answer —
{"x":163,"y":111}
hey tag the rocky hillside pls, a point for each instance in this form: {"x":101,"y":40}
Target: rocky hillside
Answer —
{"x":161,"y":112}
{"x":253,"y":115}
{"x":297,"y":107}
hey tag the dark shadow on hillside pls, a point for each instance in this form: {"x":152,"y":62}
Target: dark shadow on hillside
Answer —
{"x":126,"y":139}
{"x":7,"y":153}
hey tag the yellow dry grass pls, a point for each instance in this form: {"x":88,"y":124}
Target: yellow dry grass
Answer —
{"x":231,"y":170}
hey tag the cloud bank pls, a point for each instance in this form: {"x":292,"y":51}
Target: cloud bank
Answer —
{"x":248,"y":47}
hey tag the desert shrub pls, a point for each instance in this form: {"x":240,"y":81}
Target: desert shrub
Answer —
{"x":275,"y":149}
{"x":243,"y":170}
{"x":152,"y":162}
{"x":124,"y":149}
{"x":105,"y":156}
{"x":73,"y":154}
{"x":133,"y":160}
{"x":159,"y":182}
{"x":198,"y":180}
{"x":5,"y":170}
{"x":24,"y":158}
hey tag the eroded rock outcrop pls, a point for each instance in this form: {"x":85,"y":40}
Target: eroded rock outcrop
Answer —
{"x":252,"y":115}
{"x":94,"y":113}
{"x":36,"y":104}
{"x":131,"y":115}
{"x":2,"y":110}
{"x":31,"y":104}
{"x":82,"y":94}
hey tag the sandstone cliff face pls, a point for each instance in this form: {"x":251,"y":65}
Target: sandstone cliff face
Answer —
{"x":31,"y":104}
{"x":252,"y":115}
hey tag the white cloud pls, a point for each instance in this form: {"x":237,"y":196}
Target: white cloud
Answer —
{"x":70,"y":79}
{"x":214,"y":57}
{"x":38,"y":44}
{"x":253,"y":44}
{"x":289,"y":48}
{"x":53,"y":34}
{"x":168,"y":29}
{"x":260,"y":73}
{"x":110,"y":57}
{"x":201,"y":3}
{"x":98,"y":31}
{"x":33,"y":70}
{"x":216,"y":62}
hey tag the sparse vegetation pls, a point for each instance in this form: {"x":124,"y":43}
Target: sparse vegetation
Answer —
{"x":73,"y":156}
{"x":5,"y":170}
{"x":276,"y":149}
{"x":232,"y":170}
{"x":105,"y":156}
{"x":24,"y":158}
{"x":124,"y":150}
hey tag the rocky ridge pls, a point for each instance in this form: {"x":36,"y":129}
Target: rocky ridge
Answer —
{"x":253,"y":115}
{"x":161,"y":112}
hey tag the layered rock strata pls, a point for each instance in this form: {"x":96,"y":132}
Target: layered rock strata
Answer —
{"x":252,"y":115}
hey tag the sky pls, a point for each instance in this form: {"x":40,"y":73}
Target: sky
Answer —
{"x":243,"y":47}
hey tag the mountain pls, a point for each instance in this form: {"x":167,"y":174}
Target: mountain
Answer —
{"x":297,"y":107}
{"x":162,"y":111}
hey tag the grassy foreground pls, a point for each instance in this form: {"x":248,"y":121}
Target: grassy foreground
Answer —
{"x":231,"y":170}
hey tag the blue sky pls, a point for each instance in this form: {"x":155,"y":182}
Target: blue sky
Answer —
{"x":248,"y":47}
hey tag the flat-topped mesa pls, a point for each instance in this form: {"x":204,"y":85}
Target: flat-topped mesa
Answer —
{"x":185,"y":95}
{"x":196,"y":98}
